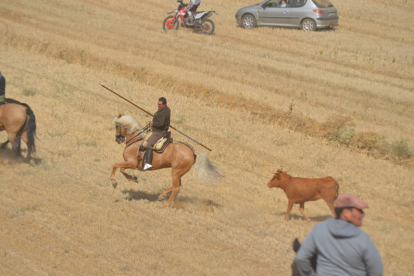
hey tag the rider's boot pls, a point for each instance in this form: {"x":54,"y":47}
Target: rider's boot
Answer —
{"x":190,"y":21}
{"x":148,"y":160}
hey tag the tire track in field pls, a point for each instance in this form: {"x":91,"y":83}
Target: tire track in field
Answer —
{"x":218,"y":98}
{"x":315,"y":61}
{"x":286,"y":75}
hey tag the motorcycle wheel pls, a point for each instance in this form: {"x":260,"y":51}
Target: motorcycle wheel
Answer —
{"x":169,"y":24}
{"x":207,"y":28}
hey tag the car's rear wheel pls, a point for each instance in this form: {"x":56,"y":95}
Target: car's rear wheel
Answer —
{"x":248,"y":21}
{"x":308,"y":25}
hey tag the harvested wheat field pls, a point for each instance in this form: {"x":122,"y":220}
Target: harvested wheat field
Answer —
{"x":329,"y":103}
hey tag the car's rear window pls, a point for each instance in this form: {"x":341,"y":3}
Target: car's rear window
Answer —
{"x":322,"y":3}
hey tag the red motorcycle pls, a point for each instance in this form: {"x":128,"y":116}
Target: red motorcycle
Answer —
{"x":201,"y":23}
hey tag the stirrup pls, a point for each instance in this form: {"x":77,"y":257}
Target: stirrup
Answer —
{"x":147,"y":166}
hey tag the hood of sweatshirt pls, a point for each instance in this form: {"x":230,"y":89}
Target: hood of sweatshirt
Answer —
{"x":340,"y":228}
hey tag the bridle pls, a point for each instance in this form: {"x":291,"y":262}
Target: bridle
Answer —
{"x":120,"y":138}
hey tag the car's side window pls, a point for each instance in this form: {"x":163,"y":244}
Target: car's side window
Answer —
{"x":298,"y":3}
{"x":272,"y":3}
{"x":276,"y":4}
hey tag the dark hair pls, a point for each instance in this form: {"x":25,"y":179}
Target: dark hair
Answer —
{"x":163,"y":100}
{"x":338,"y":211}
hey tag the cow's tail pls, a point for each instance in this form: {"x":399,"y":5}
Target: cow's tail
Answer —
{"x":206,"y":170}
{"x":31,"y":130}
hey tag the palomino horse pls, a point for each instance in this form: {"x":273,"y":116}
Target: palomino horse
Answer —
{"x":177,"y":156}
{"x":19,"y":121}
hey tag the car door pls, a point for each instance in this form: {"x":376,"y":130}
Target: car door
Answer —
{"x":270,"y":13}
{"x":297,"y":12}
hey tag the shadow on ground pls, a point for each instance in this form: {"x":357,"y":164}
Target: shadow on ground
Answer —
{"x":291,"y":28}
{"x":139,"y":195}
{"x":300,"y":217}
{"x":180,"y":202}
{"x":7,"y":156}
{"x":196,"y":200}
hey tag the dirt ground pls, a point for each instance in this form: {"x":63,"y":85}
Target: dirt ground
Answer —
{"x":262,"y":99}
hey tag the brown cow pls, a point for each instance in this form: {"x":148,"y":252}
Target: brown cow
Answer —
{"x":300,"y":190}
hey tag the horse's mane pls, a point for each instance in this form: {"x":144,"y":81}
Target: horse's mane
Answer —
{"x":129,"y":122}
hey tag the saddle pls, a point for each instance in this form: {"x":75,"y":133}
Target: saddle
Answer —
{"x":9,"y":100}
{"x":160,"y":145}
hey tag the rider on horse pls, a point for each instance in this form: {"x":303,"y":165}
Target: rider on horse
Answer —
{"x":19,"y":121}
{"x":160,"y":125}
{"x":2,"y":89}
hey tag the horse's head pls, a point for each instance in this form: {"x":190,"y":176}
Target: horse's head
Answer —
{"x":277,"y":179}
{"x":120,"y":134}
{"x":126,"y":125}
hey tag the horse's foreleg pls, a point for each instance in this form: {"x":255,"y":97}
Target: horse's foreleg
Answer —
{"x":175,"y":189}
{"x":124,"y":165}
{"x":127,"y":176}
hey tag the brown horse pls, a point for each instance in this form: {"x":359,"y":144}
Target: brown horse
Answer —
{"x":177,"y":156}
{"x":19,"y":121}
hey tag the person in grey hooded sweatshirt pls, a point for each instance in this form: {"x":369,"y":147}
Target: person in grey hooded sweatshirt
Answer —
{"x":340,"y":246}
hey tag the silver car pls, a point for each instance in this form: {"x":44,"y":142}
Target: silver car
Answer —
{"x":308,"y":15}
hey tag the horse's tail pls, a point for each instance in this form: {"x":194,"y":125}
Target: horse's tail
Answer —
{"x":206,"y":170}
{"x":31,"y":130}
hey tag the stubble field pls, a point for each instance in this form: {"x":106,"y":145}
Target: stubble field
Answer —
{"x":334,"y":102}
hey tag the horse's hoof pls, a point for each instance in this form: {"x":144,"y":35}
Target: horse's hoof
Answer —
{"x":32,"y":163}
{"x":115,"y":184}
{"x":136,"y":179}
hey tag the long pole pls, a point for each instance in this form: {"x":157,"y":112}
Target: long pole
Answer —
{"x":153,"y":116}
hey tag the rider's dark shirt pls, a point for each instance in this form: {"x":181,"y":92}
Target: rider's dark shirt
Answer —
{"x":161,"y":120}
